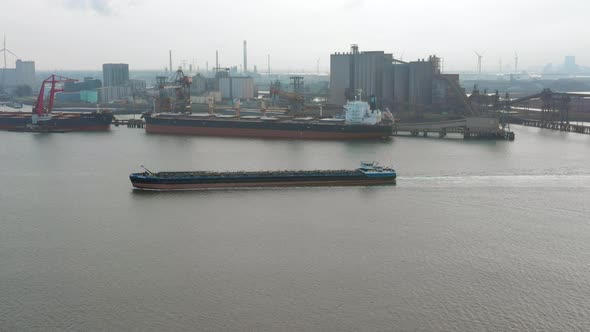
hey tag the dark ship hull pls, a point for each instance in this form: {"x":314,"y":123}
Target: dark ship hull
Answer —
{"x":207,"y":180}
{"x":277,"y":128}
{"x":62,"y":121}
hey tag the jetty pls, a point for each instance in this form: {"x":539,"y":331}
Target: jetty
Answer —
{"x":130,"y":123}
{"x":481,"y":127}
{"x":554,"y":125}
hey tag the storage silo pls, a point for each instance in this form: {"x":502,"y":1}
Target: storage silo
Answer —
{"x":420,"y":87}
{"x":339,"y":77}
{"x":401,"y":84}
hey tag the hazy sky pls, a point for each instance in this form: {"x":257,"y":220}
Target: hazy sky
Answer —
{"x":83,"y":34}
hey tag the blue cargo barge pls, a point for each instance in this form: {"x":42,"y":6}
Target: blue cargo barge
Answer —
{"x":367,"y":174}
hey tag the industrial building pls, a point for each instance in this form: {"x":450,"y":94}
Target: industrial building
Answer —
{"x":202,"y":84}
{"x":569,"y":64}
{"x":89,"y":96}
{"x":89,"y":83}
{"x":116,"y":83}
{"x":137,"y":85}
{"x":239,"y":87}
{"x":7,"y":78}
{"x":367,"y":71}
{"x":67,"y":97}
{"x":199,"y":85}
{"x":22,"y":74}
{"x":86,"y":96}
{"x":85,"y":91}
{"x":230,"y":82}
{"x":91,"y":90}
{"x":115,"y":74}
{"x":413,"y":82}
{"x":25,"y":73}
{"x":229,"y":86}
{"x":397,"y":85}
{"x":110,"y":93}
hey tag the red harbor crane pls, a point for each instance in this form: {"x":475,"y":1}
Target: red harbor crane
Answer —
{"x":40,"y":111}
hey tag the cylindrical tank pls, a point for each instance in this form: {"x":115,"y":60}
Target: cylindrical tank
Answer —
{"x":420,"y":89}
{"x":401,"y":83}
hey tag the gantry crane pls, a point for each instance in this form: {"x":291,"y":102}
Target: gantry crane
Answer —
{"x":181,"y":85}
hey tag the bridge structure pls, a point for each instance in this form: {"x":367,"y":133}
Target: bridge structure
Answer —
{"x":552,"y":111}
{"x":555,"y":106}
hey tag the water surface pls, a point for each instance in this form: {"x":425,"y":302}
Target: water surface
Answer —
{"x":475,"y":236}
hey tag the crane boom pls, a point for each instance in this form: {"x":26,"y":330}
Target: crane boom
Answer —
{"x":39,"y":108}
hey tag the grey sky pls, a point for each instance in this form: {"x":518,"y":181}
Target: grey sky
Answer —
{"x":83,"y":34}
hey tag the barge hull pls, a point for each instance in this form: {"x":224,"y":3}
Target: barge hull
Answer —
{"x":261,"y":133}
{"x":69,"y":121}
{"x":193,"y":186}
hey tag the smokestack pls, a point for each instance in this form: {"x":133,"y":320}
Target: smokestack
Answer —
{"x":245,"y":58}
{"x":216,"y":60}
{"x":170,"y":53}
{"x":268,"y":65}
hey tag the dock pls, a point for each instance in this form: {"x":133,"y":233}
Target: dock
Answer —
{"x":469,"y":128}
{"x":553,"y":125}
{"x":130,"y":123}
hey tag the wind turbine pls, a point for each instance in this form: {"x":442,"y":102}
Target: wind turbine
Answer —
{"x":4,"y":50}
{"x":479,"y":58}
{"x":318,"y":66}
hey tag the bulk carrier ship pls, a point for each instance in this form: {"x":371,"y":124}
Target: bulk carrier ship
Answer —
{"x":42,"y":119}
{"x":361,"y":121}
{"x":366,"y":174}
{"x":21,"y":121}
